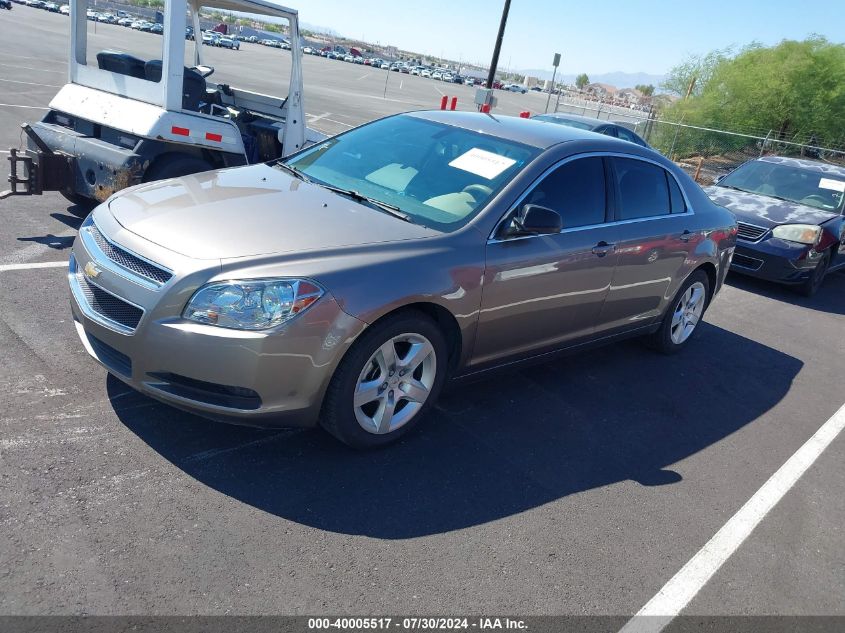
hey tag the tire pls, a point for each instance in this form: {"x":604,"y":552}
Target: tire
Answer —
{"x":78,"y":199}
{"x":82,"y":205}
{"x":175,"y":165}
{"x":407,"y":334}
{"x":810,"y":287}
{"x":669,"y":339}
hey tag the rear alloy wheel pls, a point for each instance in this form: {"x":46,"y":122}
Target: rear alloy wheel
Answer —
{"x":686,"y":310}
{"x":810,"y":287}
{"x":386,"y":382}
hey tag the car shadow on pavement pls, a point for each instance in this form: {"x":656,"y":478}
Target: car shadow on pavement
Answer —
{"x":830,"y":298}
{"x":491,"y":448}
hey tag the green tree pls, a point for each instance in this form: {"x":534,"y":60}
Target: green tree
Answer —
{"x":694,"y":72}
{"x":581,"y":81}
{"x":646,"y":90}
{"x":793,"y":89}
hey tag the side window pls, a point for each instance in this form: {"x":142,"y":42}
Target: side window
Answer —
{"x":677,"y":198}
{"x":607,"y":130}
{"x":643,"y":191}
{"x":625,"y":135}
{"x":576,"y":190}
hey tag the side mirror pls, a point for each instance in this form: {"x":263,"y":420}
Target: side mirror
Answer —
{"x":532,"y":219}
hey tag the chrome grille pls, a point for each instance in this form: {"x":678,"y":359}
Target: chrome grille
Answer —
{"x":108,"y":306}
{"x":127,"y":260}
{"x":749,"y":232}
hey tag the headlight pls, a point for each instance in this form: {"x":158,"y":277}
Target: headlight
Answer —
{"x":802,"y":233}
{"x":253,"y":304}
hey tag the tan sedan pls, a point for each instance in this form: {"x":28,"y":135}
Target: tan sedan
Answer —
{"x":345,"y":284}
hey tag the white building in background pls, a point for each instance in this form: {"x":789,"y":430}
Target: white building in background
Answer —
{"x":530,"y":82}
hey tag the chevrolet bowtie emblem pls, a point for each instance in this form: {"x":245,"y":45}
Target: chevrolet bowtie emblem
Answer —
{"x":92,"y":271}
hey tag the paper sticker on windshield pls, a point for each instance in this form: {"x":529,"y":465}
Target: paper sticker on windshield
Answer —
{"x":835,"y":185}
{"x":482,"y":163}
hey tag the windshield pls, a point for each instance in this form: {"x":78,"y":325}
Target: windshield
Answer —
{"x":566,"y":122}
{"x":436,"y":174}
{"x":804,"y":186}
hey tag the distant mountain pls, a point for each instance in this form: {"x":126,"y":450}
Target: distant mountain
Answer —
{"x":618,"y":79}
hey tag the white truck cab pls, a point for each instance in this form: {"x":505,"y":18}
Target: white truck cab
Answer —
{"x":122,"y":120}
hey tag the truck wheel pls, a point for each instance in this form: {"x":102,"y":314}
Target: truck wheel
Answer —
{"x":84,"y":204}
{"x":175,"y":165}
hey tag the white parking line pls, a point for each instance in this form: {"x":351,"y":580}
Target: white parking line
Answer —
{"x":43,"y":70}
{"x":13,"y":105}
{"x":6,"y":267}
{"x":363,"y":77}
{"x":683,"y":587}
{"x":39,"y":59}
{"x":439,"y":90}
{"x":317,"y":117}
{"x":30,"y":83}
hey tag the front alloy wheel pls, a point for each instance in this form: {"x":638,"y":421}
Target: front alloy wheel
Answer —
{"x":395,"y":383}
{"x":386,"y":381}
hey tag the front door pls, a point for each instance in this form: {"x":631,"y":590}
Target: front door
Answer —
{"x":543,"y":291}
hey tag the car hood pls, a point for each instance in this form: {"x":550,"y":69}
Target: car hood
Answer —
{"x":257,"y":210}
{"x":765,"y":211}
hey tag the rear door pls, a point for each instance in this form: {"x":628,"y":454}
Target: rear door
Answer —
{"x":543,"y":291}
{"x":652,"y":246}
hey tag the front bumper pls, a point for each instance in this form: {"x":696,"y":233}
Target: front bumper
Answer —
{"x":775,"y":260}
{"x":274,"y":378}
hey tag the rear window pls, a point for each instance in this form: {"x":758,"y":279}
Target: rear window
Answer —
{"x":643,"y":189}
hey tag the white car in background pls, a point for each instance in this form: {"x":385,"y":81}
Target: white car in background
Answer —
{"x":425,"y":72}
{"x":438,"y":75}
{"x":307,"y":50}
{"x":447,"y":76}
{"x":64,"y":9}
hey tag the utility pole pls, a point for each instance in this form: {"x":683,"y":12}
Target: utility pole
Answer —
{"x":491,"y":77}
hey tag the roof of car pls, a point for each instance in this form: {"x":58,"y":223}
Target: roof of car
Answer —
{"x":576,"y":117}
{"x":804,"y":163}
{"x":525,"y":131}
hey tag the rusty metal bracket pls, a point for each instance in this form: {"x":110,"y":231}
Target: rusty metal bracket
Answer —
{"x":33,"y":172}
{"x":20,"y":186}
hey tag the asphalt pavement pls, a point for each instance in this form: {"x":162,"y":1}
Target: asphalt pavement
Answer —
{"x":575,"y":487}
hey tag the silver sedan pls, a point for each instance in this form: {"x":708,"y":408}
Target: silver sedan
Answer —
{"x":345,"y":284}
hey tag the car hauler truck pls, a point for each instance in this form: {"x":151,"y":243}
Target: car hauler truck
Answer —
{"x":122,"y":120}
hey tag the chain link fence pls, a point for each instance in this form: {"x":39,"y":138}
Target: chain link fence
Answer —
{"x":704,"y":153}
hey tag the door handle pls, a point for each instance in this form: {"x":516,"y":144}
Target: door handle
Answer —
{"x":686,"y":236}
{"x":603,"y":248}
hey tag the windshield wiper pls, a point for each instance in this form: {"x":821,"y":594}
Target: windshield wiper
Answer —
{"x":293,"y":170}
{"x":756,"y":193}
{"x":388,"y":208}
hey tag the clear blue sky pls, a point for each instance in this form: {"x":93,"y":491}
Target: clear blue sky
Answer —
{"x":593,"y":36}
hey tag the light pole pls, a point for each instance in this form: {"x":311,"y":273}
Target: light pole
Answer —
{"x":491,"y":76}
{"x":555,"y":63}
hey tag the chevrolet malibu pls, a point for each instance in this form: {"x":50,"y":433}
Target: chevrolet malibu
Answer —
{"x":345,"y":284}
{"x":791,"y":215}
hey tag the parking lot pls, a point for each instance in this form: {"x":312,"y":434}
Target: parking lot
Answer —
{"x":577,"y":487}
